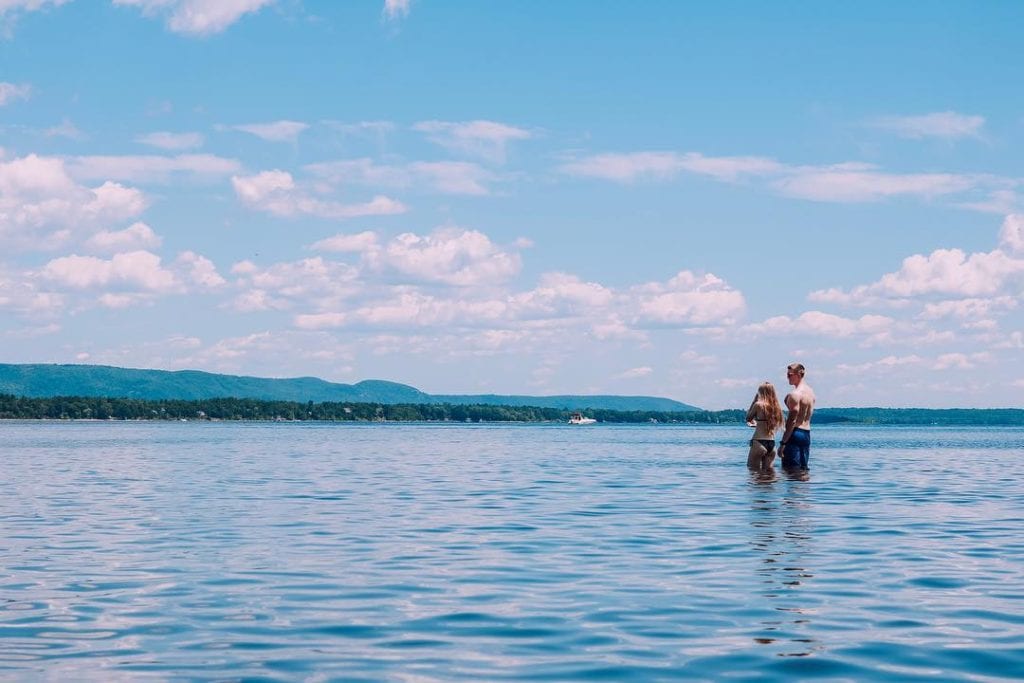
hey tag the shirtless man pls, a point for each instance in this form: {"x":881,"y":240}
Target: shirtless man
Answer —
{"x":796,"y":440}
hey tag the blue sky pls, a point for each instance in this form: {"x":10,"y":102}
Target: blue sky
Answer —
{"x":656,"y":198}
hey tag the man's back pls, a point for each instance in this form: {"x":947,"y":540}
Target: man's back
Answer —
{"x":800,"y":402}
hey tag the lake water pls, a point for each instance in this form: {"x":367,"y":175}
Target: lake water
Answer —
{"x":181,"y":551}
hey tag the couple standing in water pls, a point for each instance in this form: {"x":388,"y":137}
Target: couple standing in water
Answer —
{"x":765,"y":416}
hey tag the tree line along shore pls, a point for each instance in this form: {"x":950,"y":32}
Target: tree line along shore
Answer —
{"x":96,"y":408}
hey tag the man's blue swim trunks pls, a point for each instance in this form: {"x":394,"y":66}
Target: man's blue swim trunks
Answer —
{"x":797,"y":450}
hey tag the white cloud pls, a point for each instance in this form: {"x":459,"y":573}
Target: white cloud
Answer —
{"x":485,"y":139}
{"x":986,"y":325}
{"x":448,"y":255}
{"x":65,"y":129}
{"x":12,"y":92}
{"x":821,"y":324}
{"x":687,"y":299}
{"x":313,"y":282}
{"x":133,"y":270}
{"x":110,"y":300}
{"x":997,"y":201}
{"x":968,"y":308}
{"x":342,"y":243}
{"x":8,"y":6}
{"x":943,"y":272}
{"x":564,"y":295}
{"x":320,"y":321}
{"x":408,"y":307}
{"x":193,"y":269}
{"x":448,"y":177}
{"x":737,"y":382}
{"x":885,"y":364}
{"x":331,"y":295}
{"x":277,"y":131}
{"x":1011,"y":236}
{"x":694,"y":360}
{"x":663,"y":165}
{"x":1015,"y":340}
{"x":377,"y":128}
{"x":276,"y":192}
{"x":947,"y":125}
{"x":635,"y":373}
{"x":960,"y":361}
{"x":19,"y":292}
{"x":136,"y":236}
{"x":287,"y":353}
{"x":854,"y":182}
{"x":35,"y":176}
{"x":396,"y":9}
{"x":849,"y":182}
{"x":172,"y":141}
{"x":613,"y":327}
{"x":42,"y":207}
{"x":197,"y":17}
{"x":126,"y":279}
{"x":151,"y":168}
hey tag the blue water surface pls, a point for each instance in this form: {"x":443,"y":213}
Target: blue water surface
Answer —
{"x":441,"y":552}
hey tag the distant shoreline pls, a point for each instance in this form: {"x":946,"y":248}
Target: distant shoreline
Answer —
{"x":67,"y":408}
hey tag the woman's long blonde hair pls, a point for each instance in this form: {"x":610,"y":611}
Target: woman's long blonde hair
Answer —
{"x":768,"y":407}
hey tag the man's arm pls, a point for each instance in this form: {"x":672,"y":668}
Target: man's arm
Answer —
{"x":792,"y":416}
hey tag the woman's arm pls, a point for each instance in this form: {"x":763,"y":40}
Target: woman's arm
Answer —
{"x":752,"y":411}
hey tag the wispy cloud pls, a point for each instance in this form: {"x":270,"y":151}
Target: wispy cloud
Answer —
{"x":947,"y":125}
{"x":152,"y":168}
{"x":276,"y":131}
{"x":348,"y":243}
{"x":64,"y":129}
{"x":484,"y":139}
{"x":848,"y":182}
{"x":854,"y":182}
{"x":821,"y":324}
{"x":634,"y":166}
{"x":172,"y":141}
{"x":396,"y":9}
{"x":11,"y":9}
{"x":447,"y":177}
{"x":635,"y":373}
{"x":277,"y":193}
{"x":12,"y":92}
{"x":197,"y":17}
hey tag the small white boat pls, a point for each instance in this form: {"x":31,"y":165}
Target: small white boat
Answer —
{"x":578,"y":419}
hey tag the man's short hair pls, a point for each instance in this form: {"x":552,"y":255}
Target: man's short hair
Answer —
{"x":798,"y":368}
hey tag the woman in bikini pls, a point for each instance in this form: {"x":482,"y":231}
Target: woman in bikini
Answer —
{"x":765,"y":416}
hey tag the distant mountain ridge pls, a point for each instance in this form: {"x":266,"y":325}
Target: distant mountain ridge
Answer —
{"x":45,"y":380}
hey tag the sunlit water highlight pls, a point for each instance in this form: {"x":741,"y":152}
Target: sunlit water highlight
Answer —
{"x":506,"y":552}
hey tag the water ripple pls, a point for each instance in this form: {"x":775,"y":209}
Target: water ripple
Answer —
{"x":487,"y":552}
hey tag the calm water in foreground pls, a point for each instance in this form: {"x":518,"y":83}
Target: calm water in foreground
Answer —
{"x":462,"y":552}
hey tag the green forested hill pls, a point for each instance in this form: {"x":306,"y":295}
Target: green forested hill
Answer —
{"x":42,"y":381}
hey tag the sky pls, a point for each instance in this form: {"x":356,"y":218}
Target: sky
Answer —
{"x":656,"y":198}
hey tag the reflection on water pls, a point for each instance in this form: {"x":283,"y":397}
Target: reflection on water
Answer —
{"x":782,"y":537}
{"x":487,"y":552}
